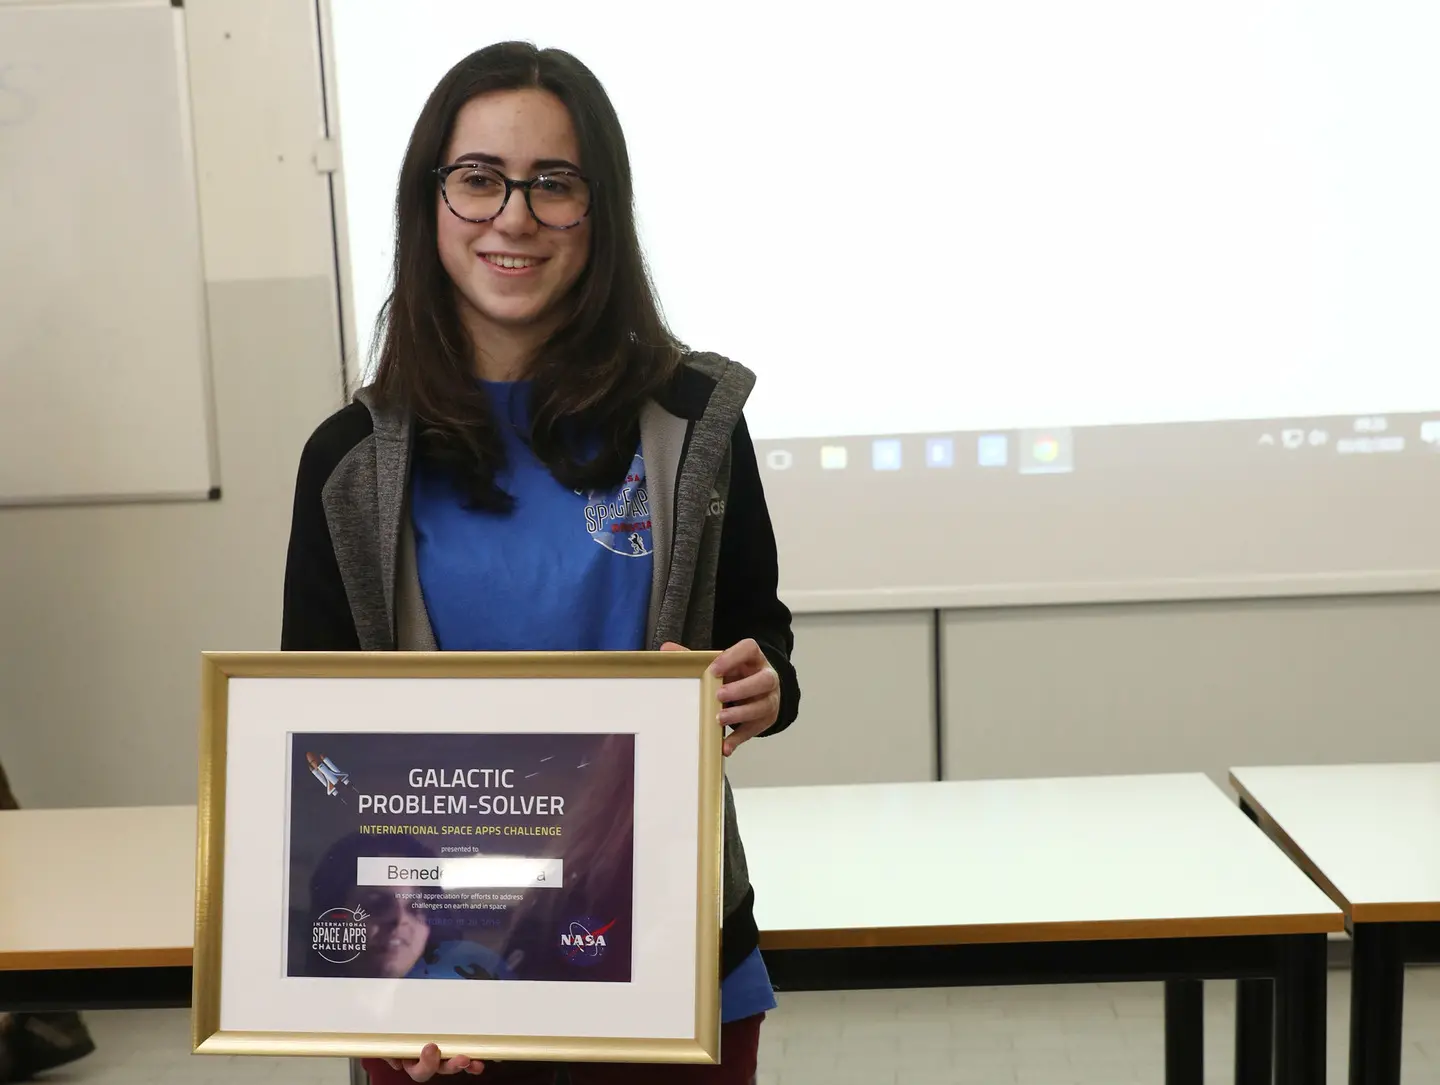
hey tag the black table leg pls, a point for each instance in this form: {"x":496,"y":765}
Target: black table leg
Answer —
{"x":1254,"y":1019}
{"x":1254,"y":1032}
{"x":1300,"y":1012}
{"x":1377,"y":997}
{"x":1184,"y":1032}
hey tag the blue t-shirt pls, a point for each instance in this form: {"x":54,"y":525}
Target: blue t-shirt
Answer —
{"x":563,"y":571}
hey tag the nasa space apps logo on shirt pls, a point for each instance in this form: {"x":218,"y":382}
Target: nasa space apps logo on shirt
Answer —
{"x":621,"y":522}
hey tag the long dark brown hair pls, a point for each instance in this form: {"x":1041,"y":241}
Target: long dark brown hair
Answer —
{"x":611,"y":349}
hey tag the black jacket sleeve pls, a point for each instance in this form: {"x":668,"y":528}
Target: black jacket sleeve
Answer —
{"x":316,"y":609}
{"x":747,"y":580}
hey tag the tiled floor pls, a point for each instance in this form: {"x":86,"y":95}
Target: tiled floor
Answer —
{"x":1083,"y":1035}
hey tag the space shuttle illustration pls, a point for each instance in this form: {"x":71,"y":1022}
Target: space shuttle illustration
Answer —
{"x":328,"y":773}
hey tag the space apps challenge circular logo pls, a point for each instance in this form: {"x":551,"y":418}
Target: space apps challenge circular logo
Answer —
{"x":583,"y":941}
{"x":339,"y":934}
{"x":621,"y":522}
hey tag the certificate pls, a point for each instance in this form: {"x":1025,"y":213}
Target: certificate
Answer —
{"x":549,"y":824}
{"x":498,"y":856}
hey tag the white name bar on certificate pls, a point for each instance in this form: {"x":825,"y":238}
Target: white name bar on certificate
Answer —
{"x":462,"y":872}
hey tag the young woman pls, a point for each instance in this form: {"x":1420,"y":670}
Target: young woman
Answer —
{"x":539,"y":464}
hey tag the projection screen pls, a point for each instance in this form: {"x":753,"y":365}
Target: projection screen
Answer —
{"x":1048,"y":301}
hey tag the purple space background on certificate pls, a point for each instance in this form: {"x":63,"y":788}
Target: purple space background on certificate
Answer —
{"x":580,"y":932}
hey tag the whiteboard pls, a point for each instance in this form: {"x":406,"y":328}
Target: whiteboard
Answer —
{"x":104,"y":354}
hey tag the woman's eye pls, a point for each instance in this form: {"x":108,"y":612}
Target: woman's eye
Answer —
{"x":479,"y":182}
{"x":556,"y":185}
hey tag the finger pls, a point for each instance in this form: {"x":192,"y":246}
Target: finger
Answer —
{"x":741,"y":735}
{"x":423,"y":1068}
{"x":759,"y":684}
{"x":394,"y":1064}
{"x":740,"y":715}
{"x":475,"y":1067}
{"x":455,"y":1065}
{"x":742,"y":658}
{"x":671,"y":646}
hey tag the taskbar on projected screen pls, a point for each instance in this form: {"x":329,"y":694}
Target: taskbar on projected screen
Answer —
{"x":1139,"y":451}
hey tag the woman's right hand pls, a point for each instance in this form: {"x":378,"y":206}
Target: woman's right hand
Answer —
{"x":429,"y":1064}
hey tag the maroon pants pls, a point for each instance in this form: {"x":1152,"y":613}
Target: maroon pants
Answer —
{"x":739,"y":1047}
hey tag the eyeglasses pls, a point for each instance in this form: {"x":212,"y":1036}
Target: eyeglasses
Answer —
{"x":559,"y":200}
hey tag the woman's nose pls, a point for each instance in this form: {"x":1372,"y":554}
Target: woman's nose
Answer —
{"x":515,"y":220}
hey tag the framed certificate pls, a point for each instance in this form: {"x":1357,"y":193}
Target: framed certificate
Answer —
{"x":515,"y":856}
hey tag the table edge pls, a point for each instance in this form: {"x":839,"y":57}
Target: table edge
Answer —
{"x":1356,"y":911}
{"x":1418,"y":911}
{"x":66,"y":960}
{"x":1080,"y":931}
{"x":1283,"y":840}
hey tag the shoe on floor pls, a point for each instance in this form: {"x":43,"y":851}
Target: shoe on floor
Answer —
{"x":32,"y":1043}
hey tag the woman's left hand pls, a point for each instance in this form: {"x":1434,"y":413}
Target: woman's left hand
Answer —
{"x":751,"y":693}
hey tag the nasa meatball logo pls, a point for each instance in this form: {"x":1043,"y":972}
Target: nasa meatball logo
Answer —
{"x":339,"y":934}
{"x":583,"y":940}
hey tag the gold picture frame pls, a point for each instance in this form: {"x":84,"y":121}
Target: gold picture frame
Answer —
{"x":218,"y":671}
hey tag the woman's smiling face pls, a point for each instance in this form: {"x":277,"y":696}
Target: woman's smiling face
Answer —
{"x":511,"y":270}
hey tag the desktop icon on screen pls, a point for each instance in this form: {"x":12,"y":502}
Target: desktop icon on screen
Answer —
{"x":1430,"y":432}
{"x":885,"y":455}
{"x":1046,"y":452}
{"x":993,"y":450}
{"x":940,"y":452}
{"x":834,"y":457}
{"x":779,"y":459}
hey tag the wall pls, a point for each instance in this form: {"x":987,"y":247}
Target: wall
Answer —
{"x":867,"y":705}
{"x":103,"y":611}
{"x":1195,"y":686}
{"x":1058,"y":691}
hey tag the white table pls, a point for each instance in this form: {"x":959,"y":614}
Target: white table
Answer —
{"x":1044,"y":881}
{"x":1157,"y":878}
{"x":1370,"y":836}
